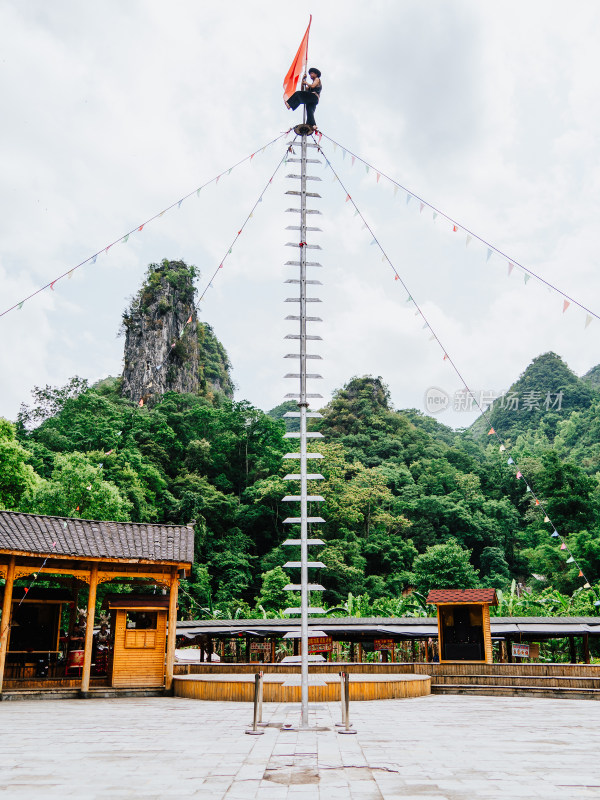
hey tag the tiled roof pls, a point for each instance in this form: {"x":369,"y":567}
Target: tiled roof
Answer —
{"x":463,"y":596}
{"x":84,"y":538}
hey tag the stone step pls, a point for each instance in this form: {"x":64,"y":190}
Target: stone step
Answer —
{"x":72,"y":694}
{"x":515,"y":691}
{"x":543,"y":681}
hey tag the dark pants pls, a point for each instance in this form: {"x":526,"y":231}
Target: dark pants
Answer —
{"x":309,"y":99}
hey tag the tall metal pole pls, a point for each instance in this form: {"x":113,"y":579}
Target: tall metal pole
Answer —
{"x":303,"y":471}
{"x":303,"y":397}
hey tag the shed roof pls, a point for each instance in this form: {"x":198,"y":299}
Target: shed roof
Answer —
{"x":84,"y":538}
{"x":463,"y":596}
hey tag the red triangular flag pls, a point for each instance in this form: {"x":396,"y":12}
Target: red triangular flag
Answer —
{"x":566,"y":304}
{"x":580,"y":574}
{"x":141,"y":403}
{"x":298,"y":66}
{"x":396,"y":278}
{"x":347,"y":197}
{"x":491,"y":431}
{"x":454,"y":228}
{"x":563,"y":546}
{"x":189,"y":320}
{"x":141,"y":226}
{"x":519,"y":475}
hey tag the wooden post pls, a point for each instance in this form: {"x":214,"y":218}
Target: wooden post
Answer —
{"x":247,"y":649}
{"x":89,"y":630}
{"x":572,"y":652}
{"x":586,"y":648}
{"x":360,"y":652}
{"x":210,"y":649}
{"x":172,"y":629}
{"x":509,"y":656}
{"x":273,"y":650}
{"x":414,"y":650}
{"x":6,"y":614}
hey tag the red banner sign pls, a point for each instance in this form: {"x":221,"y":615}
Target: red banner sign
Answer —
{"x":320,"y":644}
{"x":383,"y":644}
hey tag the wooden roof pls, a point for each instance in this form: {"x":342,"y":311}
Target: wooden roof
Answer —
{"x":84,"y":538}
{"x":458,"y":596}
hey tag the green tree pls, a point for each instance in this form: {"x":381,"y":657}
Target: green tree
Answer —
{"x":16,"y":476}
{"x":444,"y":566}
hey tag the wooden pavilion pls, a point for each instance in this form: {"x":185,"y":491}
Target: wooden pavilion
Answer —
{"x":77,"y":552}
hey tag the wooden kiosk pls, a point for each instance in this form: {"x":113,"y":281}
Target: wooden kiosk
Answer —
{"x":463,"y":615}
{"x":79,"y":552}
{"x":139,"y":632}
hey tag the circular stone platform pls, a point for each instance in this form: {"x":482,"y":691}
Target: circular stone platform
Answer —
{"x":240,"y":687}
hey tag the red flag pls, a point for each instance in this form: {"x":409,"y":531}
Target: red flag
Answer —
{"x":298,"y":66}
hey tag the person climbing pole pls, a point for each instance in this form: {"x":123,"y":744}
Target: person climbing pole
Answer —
{"x":309,"y":96}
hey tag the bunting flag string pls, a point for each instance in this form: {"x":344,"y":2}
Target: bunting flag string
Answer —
{"x":491,"y":249}
{"x":537,"y":502}
{"x":125,"y":238}
{"x":209,"y":283}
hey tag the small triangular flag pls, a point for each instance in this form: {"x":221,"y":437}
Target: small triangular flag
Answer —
{"x":378,"y":176}
{"x":396,"y":278}
{"x":353,"y":160}
{"x":141,"y":227}
{"x":421,"y":207}
{"x":554,"y":535}
{"x":587,"y":586}
{"x":491,"y":431}
{"x":373,"y":241}
{"x":445,"y":356}
{"x":20,"y":306}
{"x":580,"y":575}
{"x":408,"y":198}
{"x":566,"y":304}
{"x":570,"y":560}
{"x":52,"y":285}
{"x":489,"y":254}
{"x":347,"y":197}
{"x":71,"y":274}
{"x":546,"y":518}
{"x":141,"y":403}
{"x":367,"y":168}
{"x":125,"y":239}
{"x":510,"y":267}
{"x":528,"y":488}
{"x":434,"y":216}
{"x":189,"y":320}
{"x":519,"y":475}
{"x":588,"y":319}
{"x":179,"y":203}
{"x":563,"y":546}
{"x":510,"y":461}
{"x":468,"y":240}
{"x":395,"y":191}
{"x":526,"y":277}
{"x":94,"y":259}
{"x":454,"y":228}
{"x":198,"y":191}
{"x":502,"y":448}
{"x":537,"y":502}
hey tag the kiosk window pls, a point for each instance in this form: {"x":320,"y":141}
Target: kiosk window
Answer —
{"x":142,"y":620}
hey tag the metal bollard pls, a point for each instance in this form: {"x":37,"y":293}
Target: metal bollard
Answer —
{"x":342,"y":724}
{"x":346,"y":701}
{"x":260,"y":700}
{"x":253,"y":731}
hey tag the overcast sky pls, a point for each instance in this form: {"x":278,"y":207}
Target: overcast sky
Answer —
{"x":113,"y":111}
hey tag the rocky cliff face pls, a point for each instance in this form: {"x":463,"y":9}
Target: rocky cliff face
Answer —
{"x":166,"y":347}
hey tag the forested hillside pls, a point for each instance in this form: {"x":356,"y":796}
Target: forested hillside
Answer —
{"x":409,"y":503}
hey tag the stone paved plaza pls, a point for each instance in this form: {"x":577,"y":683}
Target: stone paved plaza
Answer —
{"x":170,"y":749}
